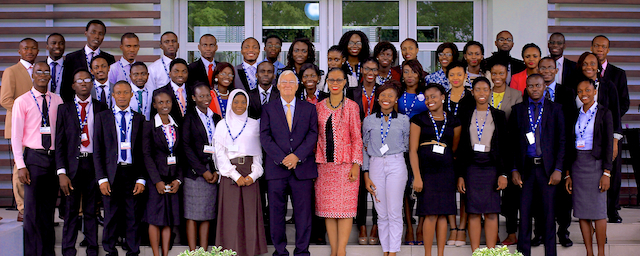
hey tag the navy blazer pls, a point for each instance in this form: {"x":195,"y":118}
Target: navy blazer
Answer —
{"x":552,"y":136}
{"x":106,"y":147}
{"x":619,"y":78}
{"x":156,"y":150}
{"x":278,"y":142}
{"x":175,"y":106}
{"x":255,"y":103}
{"x":68,"y":135}
{"x":73,"y":61}
{"x":193,"y":141}
{"x":602,"y":138}
{"x":567,"y":70}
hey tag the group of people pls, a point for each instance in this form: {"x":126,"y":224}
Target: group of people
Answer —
{"x":184,"y":145}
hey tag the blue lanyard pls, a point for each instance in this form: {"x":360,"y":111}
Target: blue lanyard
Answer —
{"x":357,"y":72}
{"x":141,"y":101}
{"x":58,"y":74}
{"x":126,"y":77}
{"x":220,"y":101}
{"x":184,"y":92}
{"x":241,"y":130}
{"x":407,"y":111}
{"x":369,"y":99}
{"x":165,"y":68}
{"x":382,"y":81}
{"x":106,"y":95}
{"x":478,"y":129}
{"x":252,"y":84}
{"x":383,"y":134}
{"x":44,"y":119}
{"x":95,"y":53}
{"x":455,"y":111}
{"x":531,"y":124}
{"x":209,"y":129}
{"x":170,"y":143}
{"x":86,"y":116}
{"x":435,"y":127}
{"x":303,"y":96}
{"x":499,"y":104}
{"x":120,"y":125}
{"x":583,"y":130}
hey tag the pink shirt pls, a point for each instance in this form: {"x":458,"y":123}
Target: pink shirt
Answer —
{"x":26,"y":121}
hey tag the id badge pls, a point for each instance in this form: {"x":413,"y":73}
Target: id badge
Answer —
{"x":125,"y":145}
{"x":478,"y":147}
{"x":580,"y":143}
{"x":171,"y":160}
{"x":209,"y":149}
{"x":438,"y":149}
{"x":45,"y":130}
{"x":84,"y":137}
{"x":233,"y":148}
{"x":384,"y":149}
{"x":531,"y":138}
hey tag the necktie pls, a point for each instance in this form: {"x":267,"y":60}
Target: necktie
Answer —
{"x":103,"y":95}
{"x":140,"y":101}
{"x":210,"y":73}
{"x":251,"y":77}
{"x":85,"y":127}
{"x":547,"y":94}
{"x":46,"y":138}
{"x":265,"y":97}
{"x":90,"y":59}
{"x":288,"y":114}
{"x":123,"y":134}
{"x":183,"y":103}
{"x":602,"y":73}
{"x":54,"y":85}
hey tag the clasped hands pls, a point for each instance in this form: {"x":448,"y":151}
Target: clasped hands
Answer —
{"x":290,"y":161}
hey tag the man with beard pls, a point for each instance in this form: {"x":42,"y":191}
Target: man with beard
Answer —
{"x":504,"y":42}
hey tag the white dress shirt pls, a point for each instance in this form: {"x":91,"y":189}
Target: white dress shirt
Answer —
{"x":263,"y":96}
{"x":28,"y":66}
{"x":209,"y":125}
{"x":58,"y":75}
{"x":88,"y":56}
{"x":159,"y":73}
{"x":175,"y":88}
{"x":146,"y":101}
{"x":98,"y":89}
{"x":120,"y":70}
{"x":251,"y":78}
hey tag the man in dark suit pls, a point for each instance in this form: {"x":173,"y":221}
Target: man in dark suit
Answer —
{"x":102,"y":87}
{"x":202,"y":69}
{"x":119,"y":167}
{"x":504,"y":42}
{"x":94,"y":32}
{"x":266,"y":91}
{"x":600,"y":47}
{"x":74,"y":162}
{"x":246,"y":72}
{"x":538,"y":145}
{"x":565,"y":66}
{"x":288,"y":133}
{"x":179,"y":73}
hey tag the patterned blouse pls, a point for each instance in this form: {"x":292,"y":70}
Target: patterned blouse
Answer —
{"x":346,"y":132}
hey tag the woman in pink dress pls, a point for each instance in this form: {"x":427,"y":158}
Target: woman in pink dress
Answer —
{"x":339,"y":157}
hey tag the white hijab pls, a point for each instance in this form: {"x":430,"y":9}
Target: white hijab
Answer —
{"x":248,"y":141}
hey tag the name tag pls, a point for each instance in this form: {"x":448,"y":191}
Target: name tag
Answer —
{"x":45,"y":130}
{"x":580,"y":143}
{"x":478,"y":147}
{"x":438,"y":149}
{"x":384,"y":149}
{"x":233,"y":148}
{"x":531,"y":138}
{"x":84,"y":137}
{"x":125,"y":145}
{"x":167,"y":188}
{"x":171,"y":160}
{"x":209,"y":149}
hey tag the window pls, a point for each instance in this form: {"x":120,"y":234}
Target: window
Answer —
{"x":224,"y":20}
{"x":444,"y":21}
{"x":378,"y":20}
{"x":291,"y":20}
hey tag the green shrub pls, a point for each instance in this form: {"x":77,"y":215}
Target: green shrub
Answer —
{"x":215,"y":251}
{"x":498,"y":251}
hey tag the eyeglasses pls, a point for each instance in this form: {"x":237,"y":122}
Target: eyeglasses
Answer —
{"x":502,"y":40}
{"x":43,"y":72}
{"x":351,"y":43}
{"x":367,"y":70}
{"x":275,"y":46}
{"x":442,"y":54}
{"x":335,"y":81}
{"x":537,"y":86}
{"x":291,"y":82}
{"x":225,"y":74}
{"x":86,"y":80}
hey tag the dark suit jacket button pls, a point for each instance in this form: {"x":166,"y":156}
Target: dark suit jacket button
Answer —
{"x":290,"y":139}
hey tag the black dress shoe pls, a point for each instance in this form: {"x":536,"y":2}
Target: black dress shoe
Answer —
{"x":536,"y":241}
{"x":321,"y":241}
{"x":615,"y":218}
{"x":84,"y":243}
{"x":565,"y":241}
{"x":100,"y":220}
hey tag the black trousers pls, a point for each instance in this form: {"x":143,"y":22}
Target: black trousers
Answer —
{"x":39,"y":203}
{"x":122,"y":207}
{"x":613,"y":194}
{"x":85,"y":190}
{"x":563,"y":208}
{"x":510,"y":206}
{"x":537,"y":191}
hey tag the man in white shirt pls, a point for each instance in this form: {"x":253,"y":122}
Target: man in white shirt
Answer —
{"x":246,"y":72}
{"x":565,"y":66}
{"x":141,"y":100}
{"x":55,"y":47}
{"x":129,"y":45}
{"x":159,"y":70}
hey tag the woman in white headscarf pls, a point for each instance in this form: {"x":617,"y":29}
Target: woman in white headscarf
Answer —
{"x":239,"y":160}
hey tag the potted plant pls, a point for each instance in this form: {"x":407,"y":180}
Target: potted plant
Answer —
{"x":498,"y":251}
{"x":215,"y":251}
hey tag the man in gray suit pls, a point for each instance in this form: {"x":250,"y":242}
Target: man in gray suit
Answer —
{"x":246,"y":72}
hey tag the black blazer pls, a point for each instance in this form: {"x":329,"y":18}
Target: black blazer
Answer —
{"x":107,"y":147}
{"x":355,"y":94}
{"x":467,"y":103}
{"x":602,"y":138}
{"x":517,"y":65}
{"x":197,"y":73}
{"x":608,"y":97}
{"x":175,"y":106}
{"x":278,"y":142}
{"x":68,"y":135}
{"x":255,"y":104}
{"x":240,"y":80}
{"x":552,"y":136}
{"x":567,"y":70}
{"x":156,"y":150}
{"x":73,"y":61}
{"x":193,"y":141}
{"x":499,"y":151}
{"x":619,"y":78}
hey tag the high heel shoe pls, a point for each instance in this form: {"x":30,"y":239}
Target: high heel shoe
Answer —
{"x":459,"y":243}
{"x":452,"y":242}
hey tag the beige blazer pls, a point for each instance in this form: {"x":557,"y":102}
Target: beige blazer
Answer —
{"x":15,"y":82}
{"x":511,"y":97}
